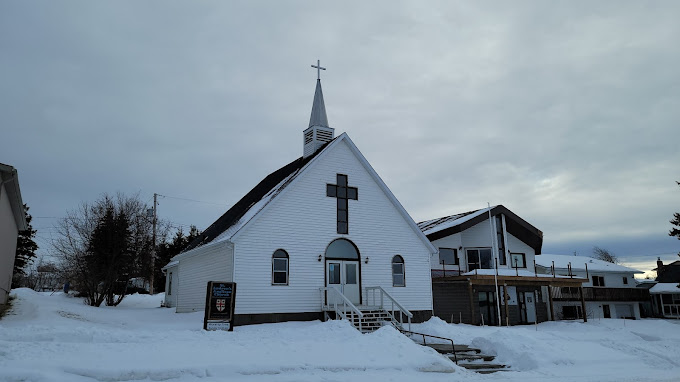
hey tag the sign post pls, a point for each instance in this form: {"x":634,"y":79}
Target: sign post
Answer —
{"x":219,"y":306}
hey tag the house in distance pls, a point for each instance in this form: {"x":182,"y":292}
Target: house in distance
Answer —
{"x":320,"y":237}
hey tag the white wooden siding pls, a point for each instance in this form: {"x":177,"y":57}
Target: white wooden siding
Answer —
{"x":516,"y":245}
{"x":479,"y":236}
{"x":302,"y":221}
{"x":171,"y":298}
{"x":213,"y":262}
{"x":452,"y":241}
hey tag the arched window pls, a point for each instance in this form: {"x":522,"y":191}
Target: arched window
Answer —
{"x":398,"y":277}
{"x":280,"y":267}
{"x":342,"y":249}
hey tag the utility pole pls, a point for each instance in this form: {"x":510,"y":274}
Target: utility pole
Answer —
{"x":153,"y":247}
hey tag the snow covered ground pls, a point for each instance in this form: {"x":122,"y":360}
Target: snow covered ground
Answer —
{"x":58,"y":338}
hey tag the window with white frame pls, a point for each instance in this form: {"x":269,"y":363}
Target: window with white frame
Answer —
{"x":398,"y":276}
{"x":598,"y":281}
{"x":280,"y":267}
{"x":479,"y":258}
{"x":518,"y":260}
{"x":448,"y":256}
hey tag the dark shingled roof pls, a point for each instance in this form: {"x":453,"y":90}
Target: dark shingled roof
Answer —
{"x":515,"y":225}
{"x":239,"y":209}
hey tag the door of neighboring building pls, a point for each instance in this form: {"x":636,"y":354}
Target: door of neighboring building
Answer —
{"x":530,"y":306}
{"x":606,"y":312}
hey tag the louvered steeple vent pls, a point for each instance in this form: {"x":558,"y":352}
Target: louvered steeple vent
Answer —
{"x":318,"y":133}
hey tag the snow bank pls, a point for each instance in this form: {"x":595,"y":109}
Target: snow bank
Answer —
{"x":58,"y":338}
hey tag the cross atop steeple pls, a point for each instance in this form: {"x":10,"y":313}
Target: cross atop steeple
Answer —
{"x":318,"y":69}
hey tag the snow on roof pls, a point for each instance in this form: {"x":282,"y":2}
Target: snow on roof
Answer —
{"x":436,"y":225}
{"x":665,"y":288}
{"x":170,"y":264}
{"x":579,"y":263}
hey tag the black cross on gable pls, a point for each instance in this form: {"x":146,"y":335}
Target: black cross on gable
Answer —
{"x":343,"y":193}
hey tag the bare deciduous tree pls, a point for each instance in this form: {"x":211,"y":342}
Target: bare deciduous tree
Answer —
{"x":605,"y":255}
{"x":74,"y":247}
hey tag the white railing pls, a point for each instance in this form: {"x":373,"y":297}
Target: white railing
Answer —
{"x":341,"y":305}
{"x":376,"y":296}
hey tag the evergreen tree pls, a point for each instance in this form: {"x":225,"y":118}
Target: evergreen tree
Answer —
{"x":26,"y":246}
{"x":109,"y":259}
{"x":167,"y":250}
{"x":675,"y":231}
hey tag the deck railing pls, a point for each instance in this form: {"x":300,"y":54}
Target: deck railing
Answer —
{"x":377,"y":296}
{"x":600,"y":294}
{"x":341,"y":305}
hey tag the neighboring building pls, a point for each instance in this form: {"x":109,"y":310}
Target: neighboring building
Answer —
{"x":12,"y":220}
{"x":610,"y":290}
{"x":321,"y":229}
{"x":669,"y":273}
{"x":666,"y":293}
{"x":465,"y":274}
{"x":666,"y":299}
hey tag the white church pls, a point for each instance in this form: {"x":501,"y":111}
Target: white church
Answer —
{"x":321,"y":237}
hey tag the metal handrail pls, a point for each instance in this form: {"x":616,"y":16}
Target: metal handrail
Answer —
{"x":346,"y":303}
{"x":453,"y":346}
{"x":401,"y":308}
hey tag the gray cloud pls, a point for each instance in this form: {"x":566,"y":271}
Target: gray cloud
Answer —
{"x":564,"y":112}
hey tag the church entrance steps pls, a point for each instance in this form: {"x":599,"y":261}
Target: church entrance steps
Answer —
{"x":463,"y":355}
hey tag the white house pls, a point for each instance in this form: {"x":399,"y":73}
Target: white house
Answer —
{"x":12,"y":220}
{"x":479,"y":250}
{"x":609,"y":290}
{"x":323,"y":228}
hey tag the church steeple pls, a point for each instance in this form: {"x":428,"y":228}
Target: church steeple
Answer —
{"x":318,"y":133}
{"x":318,"y":117}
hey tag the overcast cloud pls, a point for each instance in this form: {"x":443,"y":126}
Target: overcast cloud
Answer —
{"x":565,"y":112}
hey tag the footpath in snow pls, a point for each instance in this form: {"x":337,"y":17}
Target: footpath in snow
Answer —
{"x":57,"y":338}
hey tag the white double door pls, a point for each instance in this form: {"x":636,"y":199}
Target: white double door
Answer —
{"x":343,"y":275}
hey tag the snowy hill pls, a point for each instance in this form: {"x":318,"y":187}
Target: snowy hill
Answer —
{"x":58,"y":338}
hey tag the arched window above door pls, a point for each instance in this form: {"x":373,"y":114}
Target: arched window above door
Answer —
{"x":342,"y":249}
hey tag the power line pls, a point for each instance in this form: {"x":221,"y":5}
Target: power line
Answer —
{"x":194,"y":200}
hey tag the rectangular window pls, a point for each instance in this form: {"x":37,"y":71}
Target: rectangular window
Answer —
{"x":334,"y":273}
{"x":606,"y":312}
{"x":500,"y":238}
{"x":398,"y":274}
{"x":625,"y":280}
{"x":331,"y":190}
{"x":280,"y":271}
{"x":479,"y":258}
{"x":598,"y":281}
{"x":518,"y":260}
{"x":169,"y":283}
{"x":448,"y":256}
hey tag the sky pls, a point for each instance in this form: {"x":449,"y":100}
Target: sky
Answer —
{"x":564,"y":112}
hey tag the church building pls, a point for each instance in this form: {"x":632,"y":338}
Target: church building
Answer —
{"x":322,"y":236}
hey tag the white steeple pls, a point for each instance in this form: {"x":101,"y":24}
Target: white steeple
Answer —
{"x":318,"y":133}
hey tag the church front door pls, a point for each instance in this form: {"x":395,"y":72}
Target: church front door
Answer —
{"x":343,"y":275}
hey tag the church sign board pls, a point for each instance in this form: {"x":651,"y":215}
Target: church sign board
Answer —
{"x":219,"y":306}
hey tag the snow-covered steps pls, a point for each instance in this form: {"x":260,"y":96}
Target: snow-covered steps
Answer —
{"x":372,"y":320}
{"x":469,"y":358}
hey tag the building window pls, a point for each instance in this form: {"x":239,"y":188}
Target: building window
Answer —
{"x":398,"y":279}
{"x":479,"y":258}
{"x":625,"y":280}
{"x":170,"y":284}
{"x":518,"y":260}
{"x":598,"y":281}
{"x":500,"y":239}
{"x":448,"y":256}
{"x":280,"y":267}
